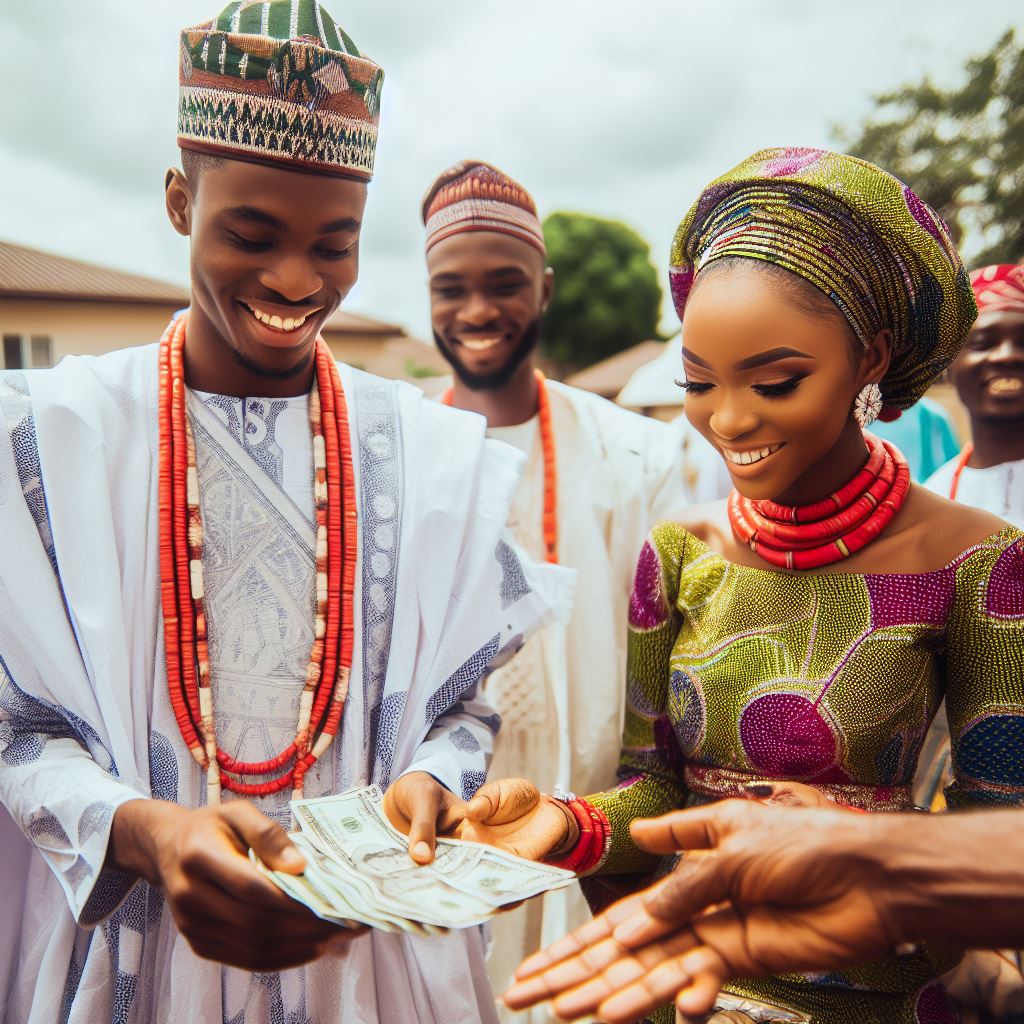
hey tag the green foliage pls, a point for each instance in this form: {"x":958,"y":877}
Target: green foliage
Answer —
{"x":415,"y":371}
{"x":607,"y":297}
{"x":961,"y":150}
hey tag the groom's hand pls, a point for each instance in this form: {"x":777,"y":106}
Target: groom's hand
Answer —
{"x":418,"y":805}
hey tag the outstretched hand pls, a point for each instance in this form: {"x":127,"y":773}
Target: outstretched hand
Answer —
{"x":418,"y":805}
{"x":770,"y":890}
{"x":513,"y":815}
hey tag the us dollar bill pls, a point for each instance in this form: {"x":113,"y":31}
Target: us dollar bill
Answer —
{"x":358,"y":871}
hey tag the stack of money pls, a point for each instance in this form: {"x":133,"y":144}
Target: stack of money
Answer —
{"x":359,"y":872}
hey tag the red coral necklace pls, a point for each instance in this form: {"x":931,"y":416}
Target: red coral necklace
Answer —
{"x":547,"y":440}
{"x":183,"y":596}
{"x":827,"y":531}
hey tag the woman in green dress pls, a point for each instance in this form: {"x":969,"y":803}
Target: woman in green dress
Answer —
{"x":803,"y":634}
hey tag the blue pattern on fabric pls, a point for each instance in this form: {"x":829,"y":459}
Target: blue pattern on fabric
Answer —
{"x":140,"y":912}
{"x":94,"y":820}
{"x":252,"y":422}
{"x":471,"y":782}
{"x":15,"y":400}
{"x":463,"y":739}
{"x":46,"y":830}
{"x":513,"y":580}
{"x":163,"y":768}
{"x":29,"y":715}
{"x":992,"y":750}
{"x":381,"y":500}
{"x":76,"y":968}
{"x":455,"y":687}
{"x":389,"y":722}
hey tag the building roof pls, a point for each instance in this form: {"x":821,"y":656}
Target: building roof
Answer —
{"x":32,"y":274}
{"x":608,"y":377}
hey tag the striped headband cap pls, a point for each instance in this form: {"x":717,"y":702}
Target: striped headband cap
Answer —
{"x":280,"y":83}
{"x":857,"y":234}
{"x":474,"y":196}
{"x":999,"y":288}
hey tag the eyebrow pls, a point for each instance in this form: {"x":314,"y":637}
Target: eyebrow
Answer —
{"x":258,"y":216}
{"x":773,"y":355}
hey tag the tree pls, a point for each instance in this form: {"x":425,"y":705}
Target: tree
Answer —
{"x":961,"y":150}
{"x":607,"y":297}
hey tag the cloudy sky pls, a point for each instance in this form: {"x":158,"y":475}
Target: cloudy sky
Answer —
{"x":621,"y":109}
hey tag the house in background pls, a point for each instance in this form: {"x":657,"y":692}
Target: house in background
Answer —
{"x":52,"y":306}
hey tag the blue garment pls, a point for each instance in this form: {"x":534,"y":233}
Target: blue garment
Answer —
{"x":924,"y":433}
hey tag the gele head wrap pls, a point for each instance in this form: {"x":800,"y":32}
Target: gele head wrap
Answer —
{"x":279,"y":82}
{"x":999,"y":288}
{"x":474,"y":196}
{"x":857,"y":234}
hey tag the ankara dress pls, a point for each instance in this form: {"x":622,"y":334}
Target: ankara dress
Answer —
{"x":739,"y":673}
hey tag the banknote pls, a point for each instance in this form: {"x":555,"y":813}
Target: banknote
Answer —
{"x":358,"y":870}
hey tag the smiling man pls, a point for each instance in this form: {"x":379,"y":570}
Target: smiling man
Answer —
{"x":232,"y":573}
{"x":597,"y":478}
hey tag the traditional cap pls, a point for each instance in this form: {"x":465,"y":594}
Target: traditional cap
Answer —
{"x":999,"y":288}
{"x":857,"y":234}
{"x":280,"y":83}
{"x":474,"y":196}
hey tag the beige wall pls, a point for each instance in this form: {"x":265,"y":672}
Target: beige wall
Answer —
{"x":84,"y":328}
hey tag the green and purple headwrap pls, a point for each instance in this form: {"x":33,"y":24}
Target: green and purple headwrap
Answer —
{"x":857,"y":234}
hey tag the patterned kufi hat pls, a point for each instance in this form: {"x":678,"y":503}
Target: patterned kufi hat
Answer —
{"x":857,"y":234}
{"x":999,"y":288}
{"x":474,"y":196}
{"x":280,"y":83}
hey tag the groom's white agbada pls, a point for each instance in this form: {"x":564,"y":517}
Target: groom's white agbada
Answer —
{"x":85,"y":718}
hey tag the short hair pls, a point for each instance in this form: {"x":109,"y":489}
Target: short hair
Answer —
{"x":194,"y":164}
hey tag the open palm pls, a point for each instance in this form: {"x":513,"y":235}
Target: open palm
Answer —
{"x":513,"y":815}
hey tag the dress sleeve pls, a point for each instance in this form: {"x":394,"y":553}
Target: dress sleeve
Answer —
{"x":457,"y":750}
{"x":650,"y":766}
{"x":985,"y":676}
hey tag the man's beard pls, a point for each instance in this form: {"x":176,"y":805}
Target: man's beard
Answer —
{"x":498,"y":378}
{"x":257,"y":370}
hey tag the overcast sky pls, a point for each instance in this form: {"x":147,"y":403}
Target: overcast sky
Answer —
{"x":622,"y":109}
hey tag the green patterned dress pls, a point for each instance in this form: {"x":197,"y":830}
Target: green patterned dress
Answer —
{"x":739,"y":673}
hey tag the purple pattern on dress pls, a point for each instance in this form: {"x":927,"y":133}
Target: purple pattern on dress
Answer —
{"x":920,"y":212}
{"x":647,"y":605}
{"x":1005,"y":598}
{"x":667,"y":745}
{"x":792,"y":160}
{"x":680,"y":280}
{"x":912,"y":599}
{"x":785,"y":736}
{"x":933,"y":1006}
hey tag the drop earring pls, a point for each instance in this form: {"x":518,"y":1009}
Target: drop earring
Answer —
{"x":868,"y":405}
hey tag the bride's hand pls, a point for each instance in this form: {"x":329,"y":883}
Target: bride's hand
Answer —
{"x":514,"y":816}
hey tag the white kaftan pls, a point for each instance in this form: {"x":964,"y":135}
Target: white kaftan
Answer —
{"x":997,"y":489}
{"x":561,"y":697}
{"x":85,"y":720}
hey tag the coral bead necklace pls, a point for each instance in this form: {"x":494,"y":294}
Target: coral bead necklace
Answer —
{"x":827,"y":531}
{"x":183,"y":596}
{"x":547,"y":440}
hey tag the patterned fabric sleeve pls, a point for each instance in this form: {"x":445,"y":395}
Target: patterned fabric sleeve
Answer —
{"x":985,"y":675}
{"x":458,"y":748}
{"x":651,"y":765}
{"x":58,"y":784}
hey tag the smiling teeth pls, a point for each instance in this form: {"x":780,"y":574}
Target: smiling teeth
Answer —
{"x":1006,"y":385}
{"x":276,"y":322}
{"x":746,"y":458}
{"x":479,"y":344}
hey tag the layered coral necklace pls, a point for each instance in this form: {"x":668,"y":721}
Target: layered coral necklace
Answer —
{"x":547,"y":440}
{"x":827,"y":531}
{"x":183,"y":596}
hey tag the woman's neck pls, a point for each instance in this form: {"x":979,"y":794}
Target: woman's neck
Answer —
{"x":838,"y":467}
